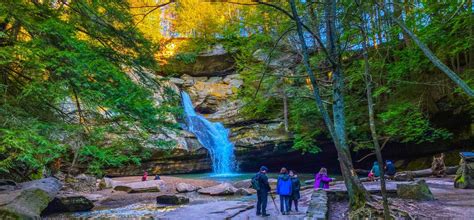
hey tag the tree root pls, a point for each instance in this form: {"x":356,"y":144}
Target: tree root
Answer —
{"x":374,"y":209}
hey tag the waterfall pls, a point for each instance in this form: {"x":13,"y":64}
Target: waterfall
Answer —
{"x":213,"y":136}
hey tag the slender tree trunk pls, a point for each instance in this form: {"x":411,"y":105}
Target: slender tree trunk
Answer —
{"x":285,"y":109}
{"x":373,"y":131}
{"x":432,"y":57}
{"x":357,"y":193}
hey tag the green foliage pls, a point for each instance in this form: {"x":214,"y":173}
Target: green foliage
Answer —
{"x":416,"y":127}
{"x":74,"y":70}
{"x":26,"y":144}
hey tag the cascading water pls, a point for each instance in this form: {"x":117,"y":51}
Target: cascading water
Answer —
{"x":213,"y":136}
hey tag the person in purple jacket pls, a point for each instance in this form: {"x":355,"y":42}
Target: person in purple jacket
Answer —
{"x":321,"y":180}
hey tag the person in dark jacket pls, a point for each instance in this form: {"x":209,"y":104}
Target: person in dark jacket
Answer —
{"x":390,"y":169}
{"x":283,"y":189}
{"x":262,"y":191}
{"x":295,"y":190}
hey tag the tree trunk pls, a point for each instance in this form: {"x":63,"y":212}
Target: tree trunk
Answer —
{"x":357,"y":193}
{"x":285,"y":109}
{"x":373,"y":131}
{"x":429,"y":54}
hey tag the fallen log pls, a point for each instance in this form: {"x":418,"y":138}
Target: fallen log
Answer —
{"x":428,"y":172}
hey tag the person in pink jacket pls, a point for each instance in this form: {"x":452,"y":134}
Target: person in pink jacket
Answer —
{"x":321,"y":180}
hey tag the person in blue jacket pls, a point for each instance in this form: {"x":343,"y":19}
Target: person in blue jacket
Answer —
{"x":284,"y":189}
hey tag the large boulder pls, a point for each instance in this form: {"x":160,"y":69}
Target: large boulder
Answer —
{"x":418,"y":190}
{"x":82,"y":183}
{"x":243,"y":184}
{"x":30,"y":200}
{"x":219,"y":190}
{"x":245,"y":191}
{"x":185,"y":187}
{"x":106,"y":183}
{"x":141,"y":187}
{"x":69,"y":203}
{"x":172,"y":200}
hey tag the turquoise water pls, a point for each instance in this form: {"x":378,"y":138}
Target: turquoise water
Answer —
{"x":240,"y":176}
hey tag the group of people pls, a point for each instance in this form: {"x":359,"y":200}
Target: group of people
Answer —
{"x":288,"y":188}
{"x":145,"y":176}
{"x":389,"y":168}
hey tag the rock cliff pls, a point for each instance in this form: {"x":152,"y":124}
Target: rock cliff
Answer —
{"x":213,"y":91}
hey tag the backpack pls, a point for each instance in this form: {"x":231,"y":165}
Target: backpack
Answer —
{"x":256,"y":182}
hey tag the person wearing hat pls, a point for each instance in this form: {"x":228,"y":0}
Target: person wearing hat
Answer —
{"x":260,"y":183}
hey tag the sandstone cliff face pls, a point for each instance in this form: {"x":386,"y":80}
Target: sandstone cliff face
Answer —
{"x":213,"y":90}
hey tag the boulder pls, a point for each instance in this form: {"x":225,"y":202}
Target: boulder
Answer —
{"x":245,"y":191}
{"x":69,"y":203}
{"x":418,"y":190}
{"x":219,"y":190}
{"x":82,"y":183}
{"x":106,"y":183}
{"x":172,"y":200}
{"x":30,"y":200}
{"x":140,"y":187}
{"x":184,"y":187}
{"x":243,"y":184}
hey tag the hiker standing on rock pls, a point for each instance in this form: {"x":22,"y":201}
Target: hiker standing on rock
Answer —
{"x":284,"y":190}
{"x":260,"y":183}
{"x":295,"y":191}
